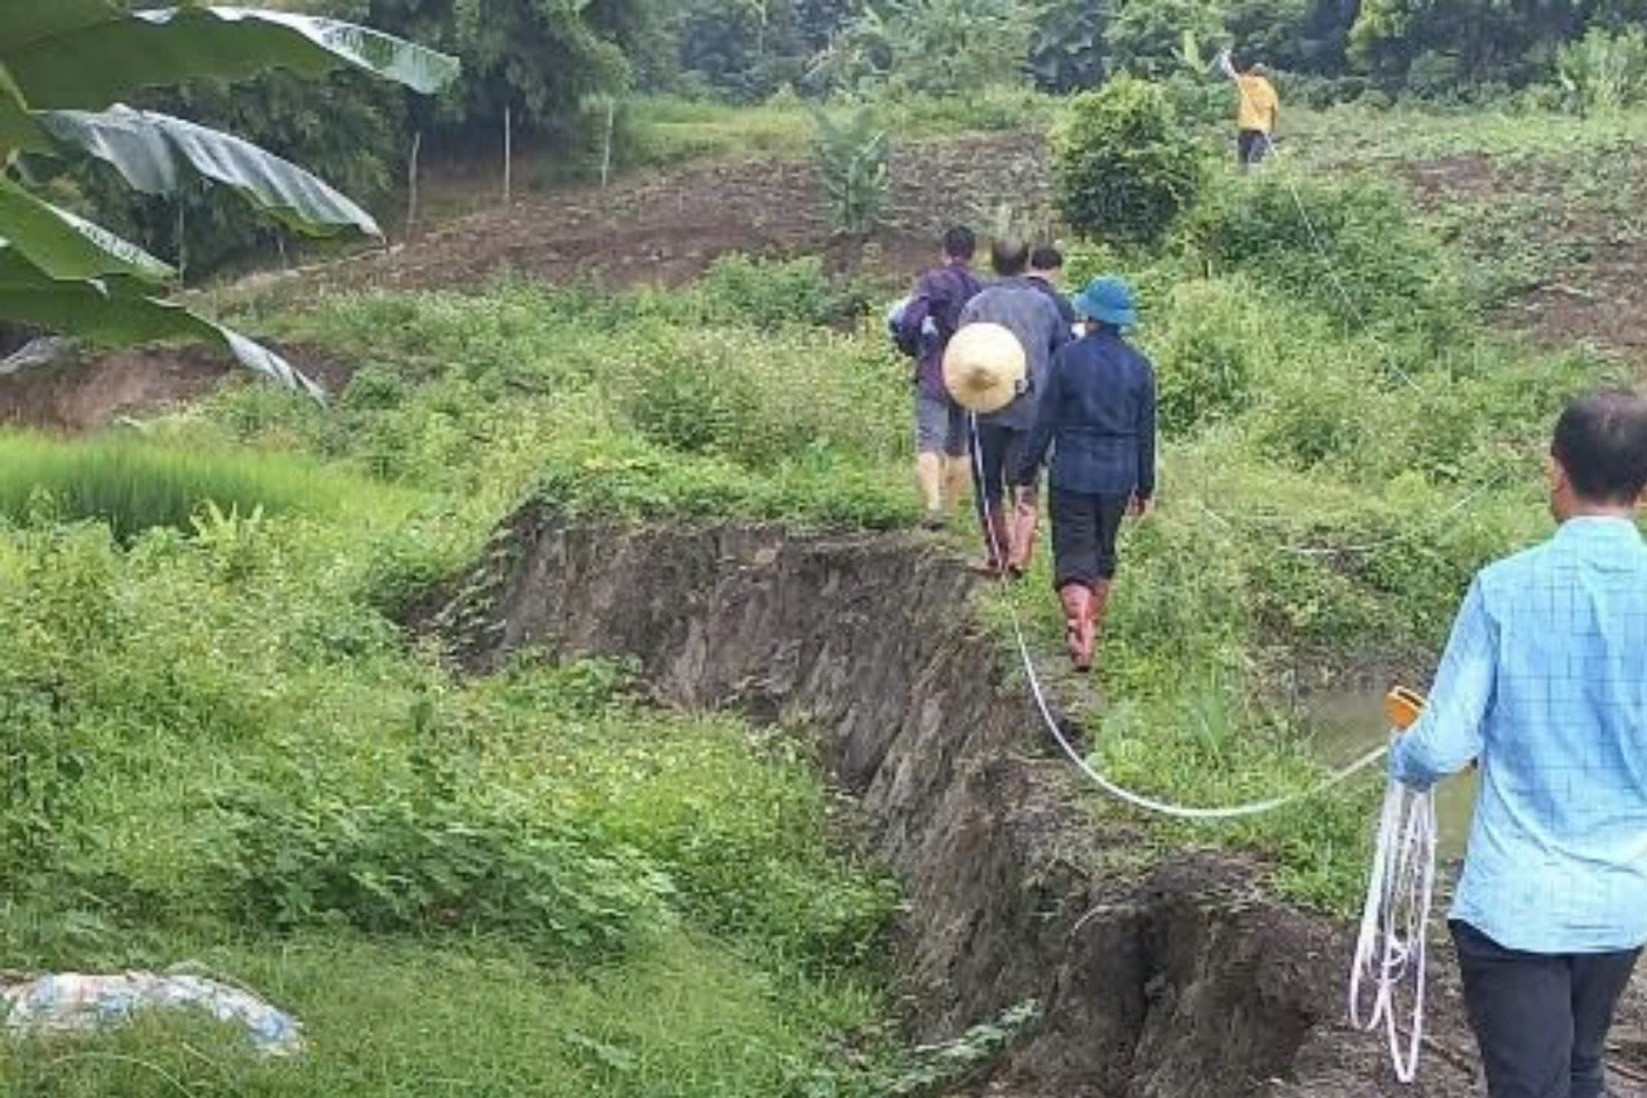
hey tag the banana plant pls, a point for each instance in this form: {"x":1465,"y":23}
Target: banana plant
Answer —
{"x":64,"y":67}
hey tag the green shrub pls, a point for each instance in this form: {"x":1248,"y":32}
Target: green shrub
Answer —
{"x":1605,"y":71}
{"x":1125,"y":166}
{"x":1353,"y":248}
{"x":1206,"y":353}
{"x":430,"y":860}
{"x":768,"y":293}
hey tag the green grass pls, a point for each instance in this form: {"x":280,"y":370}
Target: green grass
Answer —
{"x":135,"y":485}
{"x":409,"y":1019}
{"x":668,"y":130}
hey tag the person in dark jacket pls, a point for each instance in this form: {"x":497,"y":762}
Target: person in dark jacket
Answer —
{"x":1046,"y":269}
{"x":1097,"y":416}
{"x":1018,"y":305}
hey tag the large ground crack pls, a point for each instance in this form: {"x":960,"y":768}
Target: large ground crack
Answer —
{"x":1176,"y":980}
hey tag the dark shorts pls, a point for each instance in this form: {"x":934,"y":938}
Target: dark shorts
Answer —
{"x":1000,"y":450}
{"x":1084,"y":532}
{"x":1541,"y":1019}
{"x":940,"y":426}
{"x":1251,"y":146}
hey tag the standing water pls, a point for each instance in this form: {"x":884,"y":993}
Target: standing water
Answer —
{"x":1347,"y":724}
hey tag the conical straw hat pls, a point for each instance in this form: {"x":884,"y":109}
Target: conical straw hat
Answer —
{"x":984,"y":367}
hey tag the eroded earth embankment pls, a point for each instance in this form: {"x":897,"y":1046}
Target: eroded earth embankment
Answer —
{"x":1177,"y":979}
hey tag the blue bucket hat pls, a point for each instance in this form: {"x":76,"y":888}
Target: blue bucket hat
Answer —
{"x":1108,"y":300}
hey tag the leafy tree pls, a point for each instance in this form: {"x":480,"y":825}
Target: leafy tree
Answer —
{"x":65,"y":66}
{"x":748,"y":49}
{"x":1126,"y":166}
{"x":1146,"y":37}
{"x":1069,"y":52}
{"x":1514,"y":41}
{"x":537,"y":60}
{"x":940,"y":47}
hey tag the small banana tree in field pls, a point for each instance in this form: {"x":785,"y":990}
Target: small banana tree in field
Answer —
{"x":64,"y":67}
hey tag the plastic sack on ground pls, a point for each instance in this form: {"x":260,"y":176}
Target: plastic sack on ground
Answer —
{"x":72,"y":1003}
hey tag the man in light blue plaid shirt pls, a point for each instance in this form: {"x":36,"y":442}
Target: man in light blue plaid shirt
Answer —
{"x":1545,"y":682}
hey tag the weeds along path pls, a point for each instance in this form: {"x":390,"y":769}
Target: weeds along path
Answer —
{"x":1160,"y":975}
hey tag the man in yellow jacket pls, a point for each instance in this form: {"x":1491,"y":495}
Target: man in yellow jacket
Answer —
{"x":1256,"y":114}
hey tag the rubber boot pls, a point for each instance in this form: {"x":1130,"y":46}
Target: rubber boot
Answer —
{"x":1097,"y":610}
{"x":1026,"y":520}
{"x":1077,"y":600}
{"x":997,"y":543}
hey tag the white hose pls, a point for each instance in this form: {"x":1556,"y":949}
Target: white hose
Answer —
{"x":1390,"y":950}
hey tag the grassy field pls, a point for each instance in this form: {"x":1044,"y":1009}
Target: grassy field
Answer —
{"x":220,"y":747}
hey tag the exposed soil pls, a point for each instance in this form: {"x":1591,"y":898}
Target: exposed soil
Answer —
{"x":668,"y":228}
{"x":1181,"y":979}
{"x":1592,"y":284}
{"x":88,"y":395}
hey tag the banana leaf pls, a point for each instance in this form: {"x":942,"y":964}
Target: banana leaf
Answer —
{"x":119,"y":312}
{"x":154,"y":153}
{"x":87,"y":54}
{"x":64,"y":245}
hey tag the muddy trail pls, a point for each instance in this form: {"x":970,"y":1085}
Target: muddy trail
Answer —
{"x":1175,"y":979}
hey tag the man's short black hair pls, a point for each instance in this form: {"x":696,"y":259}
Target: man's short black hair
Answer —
{"x":1601,"y":443}
{"x":1047,"y":258}
{"x":960,"y":243}
{"x":1008,"y":256}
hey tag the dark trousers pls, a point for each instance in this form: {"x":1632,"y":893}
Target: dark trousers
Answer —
{"x":1251,"y":146}
{"x":1084,"y":530}
{"x":1541,"y":1019}
{"x":999,"y":451}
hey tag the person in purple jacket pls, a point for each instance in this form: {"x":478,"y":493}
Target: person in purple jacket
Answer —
{"x":925,"y":325}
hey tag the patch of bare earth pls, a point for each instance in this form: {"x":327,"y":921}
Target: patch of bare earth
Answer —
{"x":1591,"y":287}
{"x":83,"y":396}
{"x":667,"y":228}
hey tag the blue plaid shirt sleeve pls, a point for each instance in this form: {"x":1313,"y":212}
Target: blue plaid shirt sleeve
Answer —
{"x":1452,"y":731}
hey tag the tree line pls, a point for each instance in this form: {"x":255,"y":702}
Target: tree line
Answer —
{"x":551,"y":71}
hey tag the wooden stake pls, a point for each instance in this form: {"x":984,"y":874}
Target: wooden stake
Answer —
{"x":411,"y":184}
{"x":611,"y":130}
{"x":508,"y":153}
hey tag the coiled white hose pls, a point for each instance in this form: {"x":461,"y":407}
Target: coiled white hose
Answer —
{"x":1391,"y":951}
